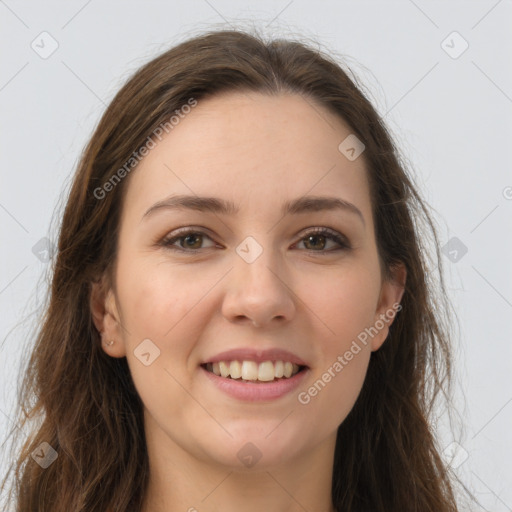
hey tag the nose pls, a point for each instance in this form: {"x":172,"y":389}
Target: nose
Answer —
{"x":258,"y":293}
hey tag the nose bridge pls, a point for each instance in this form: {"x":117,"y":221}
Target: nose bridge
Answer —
{"x":257,"y":286}
{"x":258,"y":263}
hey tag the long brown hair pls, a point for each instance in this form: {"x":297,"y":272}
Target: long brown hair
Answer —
{"x":387,"y":457}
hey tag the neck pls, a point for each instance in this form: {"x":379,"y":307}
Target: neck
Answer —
{"x":180,"y":482}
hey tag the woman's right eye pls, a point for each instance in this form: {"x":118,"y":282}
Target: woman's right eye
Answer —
{"x":188,"y":239}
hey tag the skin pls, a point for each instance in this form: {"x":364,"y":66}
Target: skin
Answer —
{"x":256,"y":151}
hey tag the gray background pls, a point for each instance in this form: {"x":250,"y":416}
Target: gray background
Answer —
{"x":449,"y":110}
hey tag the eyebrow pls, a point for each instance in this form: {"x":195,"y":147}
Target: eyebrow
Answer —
{"x":305,"y":204}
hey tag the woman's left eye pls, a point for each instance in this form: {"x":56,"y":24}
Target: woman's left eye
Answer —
{"x":190,"y":241}
{"x":324,"y":234}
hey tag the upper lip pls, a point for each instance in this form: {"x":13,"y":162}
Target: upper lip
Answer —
{"x":258,"y":356}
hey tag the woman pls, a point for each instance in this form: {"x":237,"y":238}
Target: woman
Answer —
{"x":239,"y":314}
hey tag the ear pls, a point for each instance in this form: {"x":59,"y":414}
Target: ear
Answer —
{"x":388,"y":306}
{"x":106,"y":318}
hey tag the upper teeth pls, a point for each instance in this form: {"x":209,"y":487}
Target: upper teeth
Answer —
{"x":250,"y":370}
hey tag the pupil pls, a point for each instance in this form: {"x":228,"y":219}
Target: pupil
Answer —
{"x":188,"y":237}
{"x":313,"y":237}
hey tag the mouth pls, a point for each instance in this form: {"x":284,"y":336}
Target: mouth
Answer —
{"x":249,"y":371}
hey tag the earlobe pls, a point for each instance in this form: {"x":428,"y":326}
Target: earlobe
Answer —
{"x":391,"y":294}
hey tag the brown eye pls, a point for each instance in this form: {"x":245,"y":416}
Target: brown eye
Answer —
{"x":192,"y":241}
{"x":189,"y":241}
{"x":317,"y":240}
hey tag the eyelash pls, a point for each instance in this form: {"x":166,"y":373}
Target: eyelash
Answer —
{"x":327,"y":232}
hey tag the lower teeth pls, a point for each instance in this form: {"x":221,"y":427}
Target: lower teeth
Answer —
{"x":262,"y":381}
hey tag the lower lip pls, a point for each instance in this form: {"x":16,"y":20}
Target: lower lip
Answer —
{"x":252,"y":391}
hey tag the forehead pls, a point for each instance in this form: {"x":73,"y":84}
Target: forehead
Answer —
{"x":253,"y":149}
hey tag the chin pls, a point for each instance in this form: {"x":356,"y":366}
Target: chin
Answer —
{"x":257,"y":448}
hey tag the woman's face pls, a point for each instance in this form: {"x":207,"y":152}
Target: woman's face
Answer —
{"x":255,"y":286}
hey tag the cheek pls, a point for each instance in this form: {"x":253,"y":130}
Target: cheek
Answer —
{"x":346,"y":304}
{"x":343,"y":301}
{"x":336,"y":390}
{"x":158,"y":299}
{"x":164,"y":304}
{"x":335,"y":384}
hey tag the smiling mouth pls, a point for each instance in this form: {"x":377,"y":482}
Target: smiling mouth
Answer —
{"x":251,"y":371}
